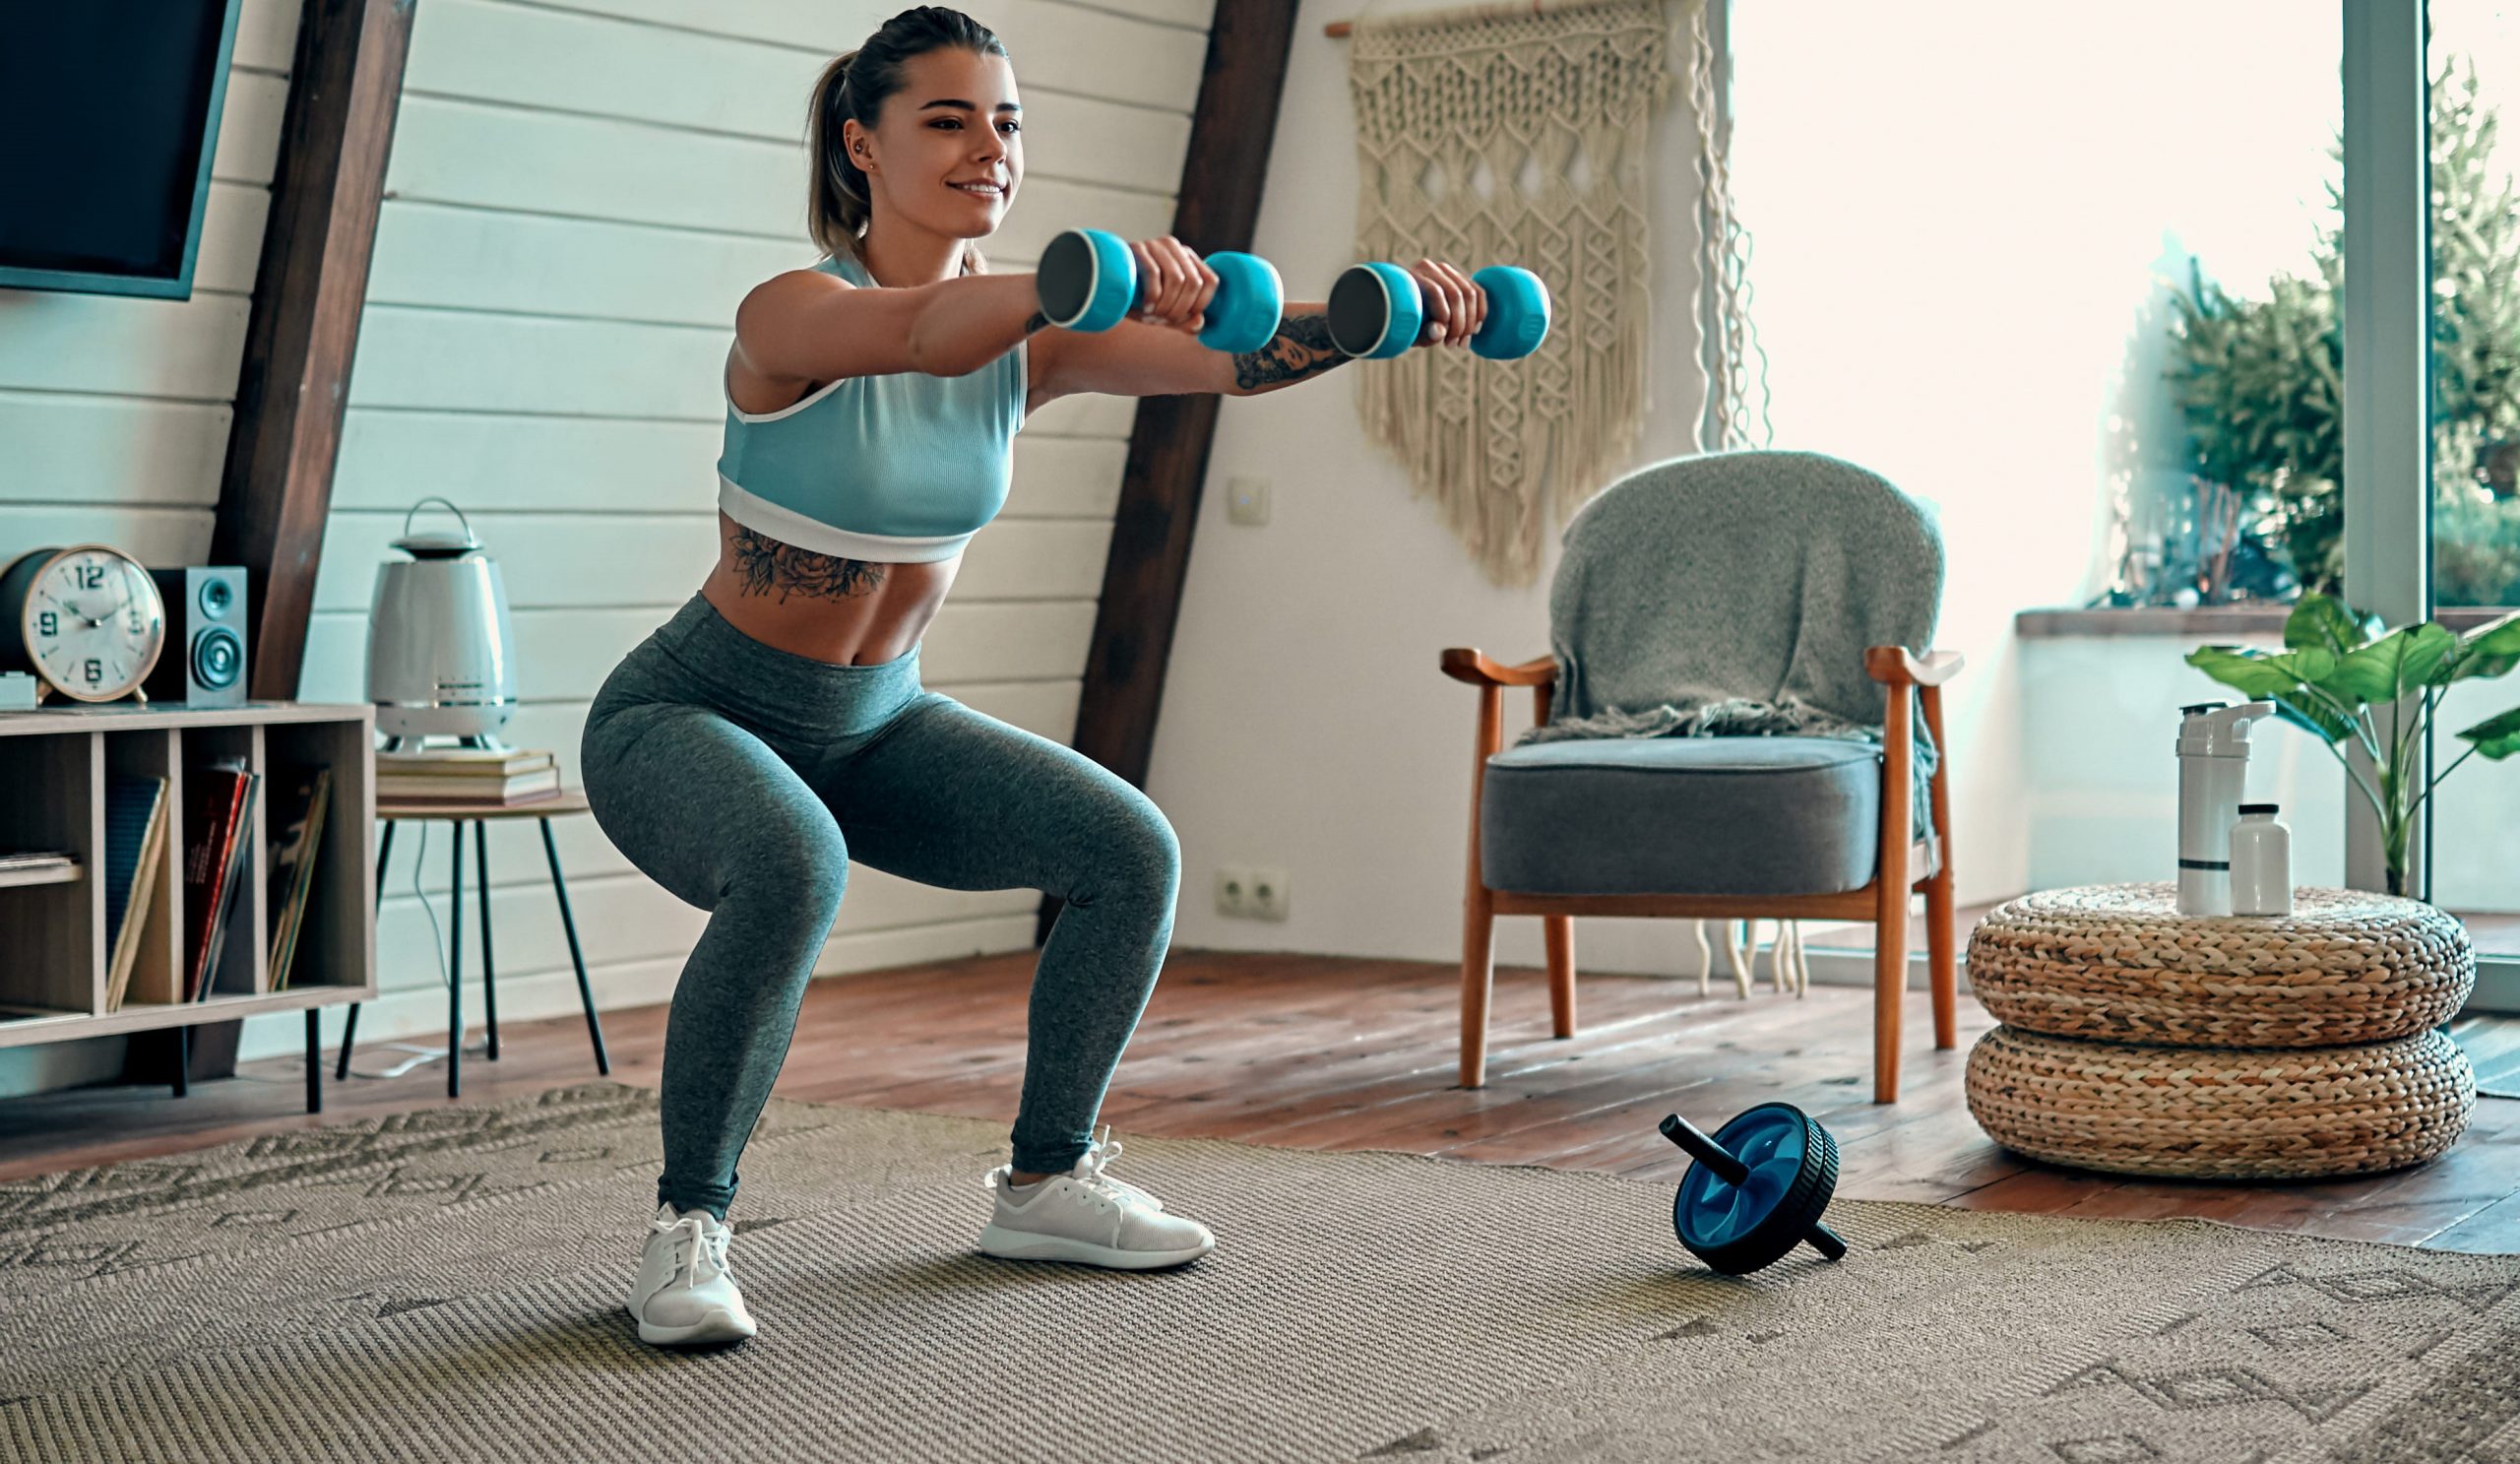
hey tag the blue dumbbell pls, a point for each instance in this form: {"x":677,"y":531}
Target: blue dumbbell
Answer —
{"x":1089,"y":282}
{"x":1377,"y":311}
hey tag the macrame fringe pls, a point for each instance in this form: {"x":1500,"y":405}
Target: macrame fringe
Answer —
{"x":1468,"y":135}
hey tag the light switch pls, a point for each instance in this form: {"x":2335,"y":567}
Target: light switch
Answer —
{"x":1247,"y":500}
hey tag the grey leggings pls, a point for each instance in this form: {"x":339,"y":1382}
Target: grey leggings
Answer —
{"x":745,"y":779}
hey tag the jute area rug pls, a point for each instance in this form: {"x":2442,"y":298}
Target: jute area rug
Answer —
{"x":446,"y":1285}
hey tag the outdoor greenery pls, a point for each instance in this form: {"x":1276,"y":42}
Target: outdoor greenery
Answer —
{"x":2261,"y":382}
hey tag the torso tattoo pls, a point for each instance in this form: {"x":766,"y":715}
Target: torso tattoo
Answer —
{"x":768,"y":565}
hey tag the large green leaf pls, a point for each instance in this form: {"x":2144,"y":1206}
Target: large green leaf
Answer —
{"x":2488,"y":650}
{"x":2496,"y":737}
{"x":2252,"y":673}
{"x":2323,"y":622}
{"x":2313,"y":716}
{"x":2395,"y":665}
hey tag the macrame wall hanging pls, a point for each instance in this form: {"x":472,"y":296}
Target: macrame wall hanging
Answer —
{"x":1505,"y":135}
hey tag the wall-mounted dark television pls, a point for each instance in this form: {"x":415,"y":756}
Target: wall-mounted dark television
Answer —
{"x":108,"y":118}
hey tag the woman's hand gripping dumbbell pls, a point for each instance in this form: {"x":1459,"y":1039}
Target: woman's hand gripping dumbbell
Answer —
{"x":1379,"y":310}
{"x":1092,"y":280}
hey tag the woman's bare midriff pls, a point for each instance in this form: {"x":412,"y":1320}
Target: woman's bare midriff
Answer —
{"x":845,"y":611}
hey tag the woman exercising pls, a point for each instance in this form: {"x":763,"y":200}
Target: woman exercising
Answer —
{"x":774,"y":730}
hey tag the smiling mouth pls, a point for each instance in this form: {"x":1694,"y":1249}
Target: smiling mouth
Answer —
{"x":980,"y":190}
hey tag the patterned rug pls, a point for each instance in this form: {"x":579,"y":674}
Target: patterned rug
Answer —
{"x":446,"y":1284}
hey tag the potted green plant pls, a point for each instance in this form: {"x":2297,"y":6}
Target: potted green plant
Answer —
{"x":2341,"y":678}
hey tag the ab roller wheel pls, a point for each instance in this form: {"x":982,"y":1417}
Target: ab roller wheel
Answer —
{"x":1758,"y":1189}
{"x":1378,"y":310}
{"x":1089,"y":282}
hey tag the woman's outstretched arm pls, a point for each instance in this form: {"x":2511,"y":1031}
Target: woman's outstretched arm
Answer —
{"x":1137,"y":359}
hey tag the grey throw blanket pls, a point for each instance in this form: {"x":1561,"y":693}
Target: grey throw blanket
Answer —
{"x":1734,"y":594}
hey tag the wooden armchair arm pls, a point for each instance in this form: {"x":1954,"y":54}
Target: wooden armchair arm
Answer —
{"x":1464,"y":664}
{"x":1894,"y":666}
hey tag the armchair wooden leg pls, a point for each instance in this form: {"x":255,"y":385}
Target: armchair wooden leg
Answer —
{"x":1477,"y":973}
{"x":1892,"y":888}
{"x":1559,"y":932}
{"x":1889,"y":992}
{"x":1942,"y":961}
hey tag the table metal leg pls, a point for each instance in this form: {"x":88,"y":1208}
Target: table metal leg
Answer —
{"x":349,"y":1028}
{"x":490,"y":974}
{"x":576,"y":958}
{"x":183,"y":1058}
{"x":314,"y":1059}
{"x":454,"y":976}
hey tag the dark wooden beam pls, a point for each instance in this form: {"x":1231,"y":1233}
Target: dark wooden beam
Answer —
{"x":1218,"y":207}
{"x":309,"y":290}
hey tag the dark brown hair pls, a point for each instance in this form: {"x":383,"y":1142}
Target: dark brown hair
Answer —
{"x":855,"y":87}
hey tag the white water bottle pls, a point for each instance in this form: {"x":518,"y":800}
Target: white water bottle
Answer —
{"x":2261,"y":862}
{"x":2213,"y":764}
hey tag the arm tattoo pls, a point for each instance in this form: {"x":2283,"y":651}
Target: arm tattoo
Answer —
{"x":1301,"y":349}
{"x":766,"y":564}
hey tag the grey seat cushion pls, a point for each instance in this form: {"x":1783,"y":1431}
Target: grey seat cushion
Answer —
{"x":1681,"y":817}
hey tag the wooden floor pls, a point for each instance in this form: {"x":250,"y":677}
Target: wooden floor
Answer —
{"x":1317,"y":1053}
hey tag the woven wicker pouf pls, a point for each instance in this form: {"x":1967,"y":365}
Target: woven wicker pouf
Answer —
{"x":2143,"y":1042}
{"x":2222,"y":1113}
{"x":2118,"y":962}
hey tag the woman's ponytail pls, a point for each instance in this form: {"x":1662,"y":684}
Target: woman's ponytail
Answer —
{"x":840,"y":208}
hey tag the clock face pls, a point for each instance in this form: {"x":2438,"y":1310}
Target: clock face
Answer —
{"x":94,"y":623}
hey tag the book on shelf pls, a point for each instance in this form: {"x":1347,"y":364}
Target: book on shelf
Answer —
{"x":297,"y":817}
{"x":135,"y":840}
{"x":221,"y":807}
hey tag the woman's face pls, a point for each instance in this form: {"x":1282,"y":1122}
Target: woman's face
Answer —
{"x":947,"y":151}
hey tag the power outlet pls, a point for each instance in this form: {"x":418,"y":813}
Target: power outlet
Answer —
{"x":1249,"y":893}
{"x":1269,"y":894}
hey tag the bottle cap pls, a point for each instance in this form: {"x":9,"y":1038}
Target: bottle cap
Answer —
{"x":2260,"y":807}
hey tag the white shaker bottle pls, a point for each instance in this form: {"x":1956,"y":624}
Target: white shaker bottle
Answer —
{"x":2213,"y":764}
{"x":2261,"y":862}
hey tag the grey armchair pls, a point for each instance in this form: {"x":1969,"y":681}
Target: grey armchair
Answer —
{"x":1756,"y":592}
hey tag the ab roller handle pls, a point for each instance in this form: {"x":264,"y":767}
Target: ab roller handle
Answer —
{"x":1089,"y":282}
{"x":1757,"y":1189}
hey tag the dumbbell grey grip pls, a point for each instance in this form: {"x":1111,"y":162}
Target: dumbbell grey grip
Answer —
{"x":1705,"y":1150}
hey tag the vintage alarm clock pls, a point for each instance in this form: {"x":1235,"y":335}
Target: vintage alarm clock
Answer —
{"x":86,"y":620}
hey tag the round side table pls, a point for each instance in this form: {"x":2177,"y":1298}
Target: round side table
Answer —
{"x":390,"y":811}
{"x":2140,"y":1041}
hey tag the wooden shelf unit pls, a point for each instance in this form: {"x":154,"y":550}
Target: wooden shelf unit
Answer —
{"x":54,"y":768}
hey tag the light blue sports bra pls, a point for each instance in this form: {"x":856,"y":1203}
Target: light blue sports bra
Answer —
{"x":901,"y":468}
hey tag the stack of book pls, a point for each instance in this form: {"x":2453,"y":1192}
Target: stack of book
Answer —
{"x":450,"y":776}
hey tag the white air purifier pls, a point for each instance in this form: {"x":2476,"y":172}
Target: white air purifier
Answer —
{"x":441,"y":658}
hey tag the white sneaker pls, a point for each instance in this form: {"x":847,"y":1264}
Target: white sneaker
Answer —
{"x":1088,"y":1217}
{"x":684,"y":1296}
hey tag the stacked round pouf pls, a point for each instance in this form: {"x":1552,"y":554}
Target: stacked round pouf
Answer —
{"x":2140,"y":1041}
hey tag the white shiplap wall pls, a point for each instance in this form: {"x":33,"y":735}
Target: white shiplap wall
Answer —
{"x":115,"y":412}
{"x":579,"y":196}
{"x":580,"y":193}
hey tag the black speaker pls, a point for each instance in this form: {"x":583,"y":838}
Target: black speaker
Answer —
{"x":204,"y":662}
